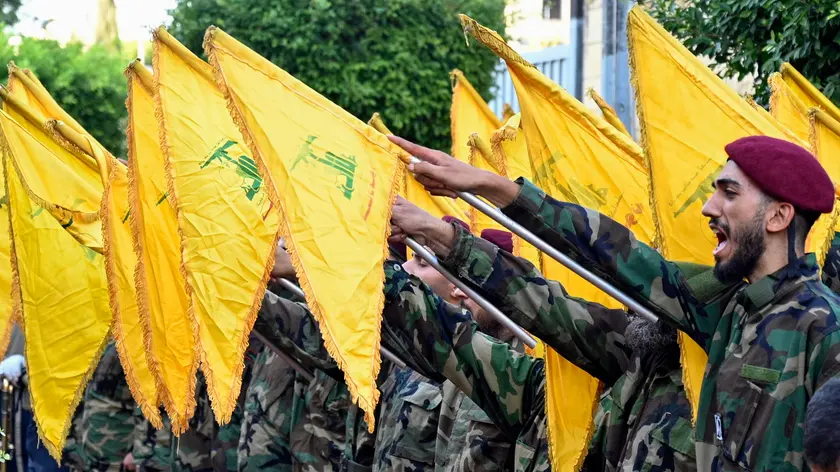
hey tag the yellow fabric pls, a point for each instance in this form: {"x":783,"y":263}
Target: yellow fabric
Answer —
{"x":75,"y":203}
{"x":787,"y":108}
{"x":609,"y":113}
{"x":61,"y":299}
{"x":509,"y":149}
{"x":120,"y":264}
{"x":118,"y":245}
{"x":6,"y":318}
{"x":575,"y":157}
{"x":806,"y":92}
{"x":161,"y":292}
{"x":336,"y":180}
{"x":825,"y":141}
{"x":789,"y":111}
{"x":226,"y":221}
{"x":413,"y":191}
{"x":676,"y":122}
{"x":473,"y":123}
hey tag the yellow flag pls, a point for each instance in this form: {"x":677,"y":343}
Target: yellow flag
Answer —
{"x":414,"y":191}
{"x":120,"y":260}
{"x":825,"y":141}
{"x":681,"y":128}
{"x":507,"y":112}
{"x":226,"y":220}
{"x":576,"y":157}
{"x":336,"y":180}
{"x":787,"y":108}
{"x":473,"y":123}
{"x":161,"y":292}
{"x":510,"y":153}
{"x":120,"y":264}
{"x":62,"y":299}
{"x":806,"y":92}
{"x":6,"y":318}
{"x":609,"y":113}
{"x":76,"y":203}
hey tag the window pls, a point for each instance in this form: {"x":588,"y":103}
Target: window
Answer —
{"x":551,"y":9}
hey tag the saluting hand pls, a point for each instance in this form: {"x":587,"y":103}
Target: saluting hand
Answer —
{"x":407,"y":219}
{"x":282,"y":263}
{"x":443,"y":175}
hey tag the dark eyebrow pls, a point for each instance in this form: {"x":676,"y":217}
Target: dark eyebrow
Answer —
{"x":725,"y":181}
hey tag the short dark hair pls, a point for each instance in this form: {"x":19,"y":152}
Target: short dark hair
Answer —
{"x":821,"y":432}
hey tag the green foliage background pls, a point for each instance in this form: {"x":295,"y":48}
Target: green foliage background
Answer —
{"x":87,"y":83}
{"x":387,"y":56}
{"x":757,"y":36}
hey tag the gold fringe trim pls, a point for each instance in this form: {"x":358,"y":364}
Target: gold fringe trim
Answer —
{"x":658,"y":239}
{"x":610,"y":116}
{"x":54,"y":450}
{"x":179,"y":422}
{"x":56,"y":210}
{"x":147,"y":406}
{"x":492,"y":40}
{"x":825,"y":104}
{"x":315,"y":307}
{"x":223,"y":407}
{"x":691,"y":389}
{"x":135,"y":220}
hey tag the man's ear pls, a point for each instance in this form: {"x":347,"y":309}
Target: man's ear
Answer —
{"x":779,"y":216}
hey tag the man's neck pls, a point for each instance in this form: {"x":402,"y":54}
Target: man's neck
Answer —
{"x":772,"y":262}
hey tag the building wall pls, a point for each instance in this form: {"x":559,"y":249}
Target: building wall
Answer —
{"x":529,"y":31}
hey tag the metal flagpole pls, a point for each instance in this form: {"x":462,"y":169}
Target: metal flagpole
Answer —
{"x":387,"y":354}
{"x":292,"y":362}
{"x":482,"y":302}
{"x":543,"y":246}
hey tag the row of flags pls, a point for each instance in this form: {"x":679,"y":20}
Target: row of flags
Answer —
{"x":170,"y":254}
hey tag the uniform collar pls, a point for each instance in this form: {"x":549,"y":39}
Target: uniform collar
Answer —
{"x":758,"y":294}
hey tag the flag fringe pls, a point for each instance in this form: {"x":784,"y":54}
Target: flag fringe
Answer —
{"x":315,"y":307}
{"x":54,"y":449}
{"x":180,"y":421}
{"x":658,"y":238}
{"x":135,"y":218}
{"x":110,"y":173}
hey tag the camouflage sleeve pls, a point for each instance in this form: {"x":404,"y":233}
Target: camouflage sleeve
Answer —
{"x":293,"y":329}
{"x":824,"y":361}
{"x":831,"y":267}
{"x":612,"y":252}
{"x":589,"y":335}
{"x":506,"y":384}
{"x":290,"y":327}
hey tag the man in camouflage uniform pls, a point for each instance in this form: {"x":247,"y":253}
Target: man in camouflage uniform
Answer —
{"x":411,"y":435}
{"x":107,"y":421}
{"x":771,"y":344}
{"x":644,"y":418}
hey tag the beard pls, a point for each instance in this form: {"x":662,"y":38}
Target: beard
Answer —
{"x":644,"y":336}
{"x":750,"y":245}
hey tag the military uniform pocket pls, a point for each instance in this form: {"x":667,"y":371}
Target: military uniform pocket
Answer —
{"x":759,"y":434}
{"x":420,"y":415}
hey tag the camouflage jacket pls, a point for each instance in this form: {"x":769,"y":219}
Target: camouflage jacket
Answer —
{"x":107,"y":423}
{"x":264,"y":439}
{"x":771,"y":343}
{"x":422,"y":424}
{"x":831,"y":266}
{"x":159,"y":450}
{"x":314,"y":417}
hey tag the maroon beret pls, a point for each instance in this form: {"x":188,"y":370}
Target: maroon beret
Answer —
{"x":450,"y":219}
{"x":785,"y":171}
{"x":500,"y":238}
